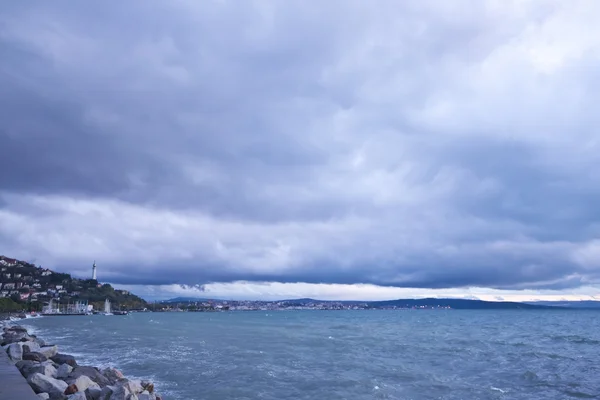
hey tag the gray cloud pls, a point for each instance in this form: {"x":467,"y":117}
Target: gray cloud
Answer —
{"x":401,"y":145}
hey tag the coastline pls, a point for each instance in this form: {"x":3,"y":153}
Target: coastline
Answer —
{"x":56,"y":376}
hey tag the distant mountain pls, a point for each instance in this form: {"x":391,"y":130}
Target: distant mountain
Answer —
{"x":187,"y":300}
{"x":457,"y":304}
{"x":586,"y":304}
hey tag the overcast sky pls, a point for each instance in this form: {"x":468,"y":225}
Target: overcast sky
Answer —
{"x":399,"y":145}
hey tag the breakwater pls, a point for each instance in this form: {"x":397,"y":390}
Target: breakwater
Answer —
{"x":56,"y":376}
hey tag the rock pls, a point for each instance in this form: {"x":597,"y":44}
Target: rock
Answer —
{"x":63,"y":371}
{"x":44,"y":396}
{"x":64,"y":359}
{"x":25,"y":364}
{"x":145,"y":395}
{"x":133,"y":397}
{"x":58,"y":396}
{"x":133,"y":386}
{"x":93,"y":393}
{"x":34,"y":356}
{"x":113,"y":375}
{"x":45,"y":368}
{"x":15,"y":328}
{"x":42,"y":383}
{"x":49,"y":351}
{"x":72,"y":388}
{"x":120,"y":393}
{"x":30,"y":347}
{"x":106,"y":393}
{"x":93,"y":373}
{"x":149,"y":386}
{"x":77,"y":396}
{"x":38,"y":341}
{"x":83,"y":382}
{"x":15,"y":352}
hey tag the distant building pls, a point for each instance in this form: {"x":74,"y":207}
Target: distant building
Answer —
{"x":47,"y":272}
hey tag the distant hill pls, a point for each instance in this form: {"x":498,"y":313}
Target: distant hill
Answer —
{"x":30,"y":286}
{"x":582,"y":304}
{"x":457,"y":304}
{"x":187,"y":300}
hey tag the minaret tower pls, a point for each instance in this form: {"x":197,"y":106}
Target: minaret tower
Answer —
{"x":94,"y":271}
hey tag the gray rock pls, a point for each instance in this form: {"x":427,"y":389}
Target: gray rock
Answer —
{"x":83,"y":382}
{"x":25,"y":364}
{"x":15,"y":352}
{"x":106,"y":393}
{"x":113,"y":375}
{"x":42,"y":383}
{"x":133,"y":386}
{"x":45,"y":368}
{"x":39,"y":341}
{"x":145,"y":395}
{"x":33,"y":356}
{"x":49,"y":351}
{"x":44,"y":396}
{"x":93,"y":393}
{"x":120,"y":393}
{"x":63,"y":371}
{"x":93,"y":373}
{"x":77,"y":396}
{"x":132,"y":397}
{"x":64,"y":359}
{"x":30,"y":347}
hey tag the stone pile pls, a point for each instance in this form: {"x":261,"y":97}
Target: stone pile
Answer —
{"x":56,"y":376}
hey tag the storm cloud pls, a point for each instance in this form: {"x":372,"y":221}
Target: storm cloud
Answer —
{"x":415,"y":144}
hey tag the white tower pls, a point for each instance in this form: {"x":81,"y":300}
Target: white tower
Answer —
{"x":94,"y":271}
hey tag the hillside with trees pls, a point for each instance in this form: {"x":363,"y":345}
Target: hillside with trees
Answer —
{"x":30,"y":287}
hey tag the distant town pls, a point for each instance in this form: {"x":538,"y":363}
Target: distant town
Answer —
{"x":181,"y":304}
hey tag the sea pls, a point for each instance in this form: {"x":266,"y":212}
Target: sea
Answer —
{"x":325,"y":355}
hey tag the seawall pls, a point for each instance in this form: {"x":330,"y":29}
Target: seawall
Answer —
{"x":12,"y":384}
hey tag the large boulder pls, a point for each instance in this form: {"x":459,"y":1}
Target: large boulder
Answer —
{"x":64,"y":359}
{"x":34,"y":356}
{"x":91,"y":372}
{"x":83,"y":382}
{"x":45,"y":368}
{"x":77,"y":396}
{"x":42,"y":383}
{"x":145,"y":395}
{"x":106,"y":393}
{"x":93,"y":393}
{"x":30,"y":347}
{"x":43,"y":396}
{"x":15,"y":351}
{"x":120,"y":393}
{"x":63,"y":371}
{"x":148,"y":386}
{"x":133,"y":386}
{"x":71,"y":389}
{"x":48,"y":351}
{"x":113,"y":375}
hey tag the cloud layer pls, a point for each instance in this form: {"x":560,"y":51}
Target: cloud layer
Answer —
{"x":418,"y":144}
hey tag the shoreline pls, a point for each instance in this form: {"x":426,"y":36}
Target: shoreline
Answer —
{"x":56,"y":376}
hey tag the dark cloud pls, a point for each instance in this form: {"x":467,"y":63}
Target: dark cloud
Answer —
{"x":400,"y":145}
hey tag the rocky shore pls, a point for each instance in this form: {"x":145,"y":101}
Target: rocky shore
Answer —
{"x":57,"y":376}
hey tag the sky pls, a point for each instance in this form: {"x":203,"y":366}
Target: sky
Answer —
{"x":343,"y":150}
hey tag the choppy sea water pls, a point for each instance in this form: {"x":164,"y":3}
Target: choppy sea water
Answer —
{"x":424,"y":354}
